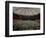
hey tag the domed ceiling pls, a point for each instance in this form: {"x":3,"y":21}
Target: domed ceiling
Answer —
{"x":26,"y":11}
